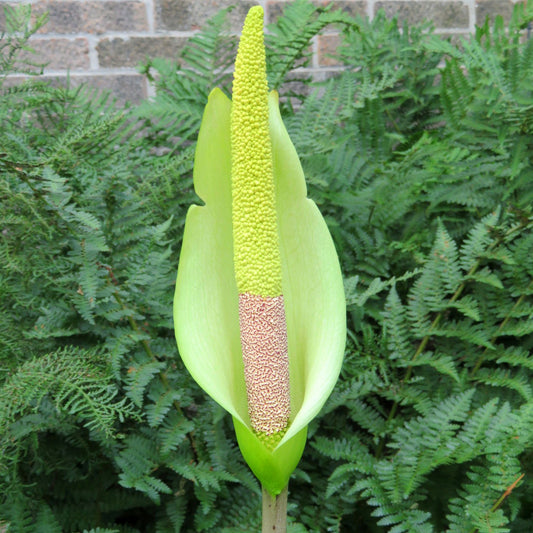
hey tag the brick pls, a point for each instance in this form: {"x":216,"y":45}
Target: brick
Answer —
{"x":327,"y":45}
{"x":357,"y":8}
{"x":448,"y":14}
{"x":61,"y":53}
{"x":125,"y":88}
{"x":354,"y":9}
{"x":492,"y":8}
{"x":63,"y":17}
{"x":2,"y":29}
{"x":186,"y":15}
{"x":67,"y":12}
{"x":92,"y":17}
{"x":15,"y":81}
{"x":118,"y":52}
{"x":99,"y":17}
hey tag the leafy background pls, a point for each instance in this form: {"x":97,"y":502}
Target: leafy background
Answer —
{"x":419,"y":155}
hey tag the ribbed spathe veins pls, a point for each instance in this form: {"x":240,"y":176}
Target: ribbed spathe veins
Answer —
{"x":255,"y":234}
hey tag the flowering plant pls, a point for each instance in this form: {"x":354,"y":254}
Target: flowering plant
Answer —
{"x":259,"y":309}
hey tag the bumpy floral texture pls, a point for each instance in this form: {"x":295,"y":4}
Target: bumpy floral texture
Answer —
{"x":259,"y":308}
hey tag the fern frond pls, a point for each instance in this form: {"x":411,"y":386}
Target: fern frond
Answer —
{"x":139,"y":376}
{"x":477,"y":241}
{"x":210,"y":52}
{"x":444,"y":364}
{"x":46,"y":521}
{"x":288,"y":38}
{"x":75,"y":380}
{"x":137,"y":462}
{"x":501,"y":377}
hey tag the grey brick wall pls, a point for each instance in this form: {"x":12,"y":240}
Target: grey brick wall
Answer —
{"x":103,"y":41}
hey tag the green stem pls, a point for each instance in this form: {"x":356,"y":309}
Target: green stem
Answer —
{"x":275,"y":512}
{"x":501,"y":499}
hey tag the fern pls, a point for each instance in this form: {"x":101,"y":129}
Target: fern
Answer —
{"x":139,"y":377}
{"x":19,"y":27}
{"x":182,"y":90}
{"x":289,"y":37}
{"x":74,"y":380}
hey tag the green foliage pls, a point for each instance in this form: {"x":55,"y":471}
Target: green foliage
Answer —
{"x":289,"y":39}
{"x":183,"y":88}
{"x":14,"y":46}
{"x":418,"y":152}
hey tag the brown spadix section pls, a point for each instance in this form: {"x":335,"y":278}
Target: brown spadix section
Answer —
{"x":266,"y":361}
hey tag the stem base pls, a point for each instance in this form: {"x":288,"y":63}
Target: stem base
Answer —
{"x":275,"y":512}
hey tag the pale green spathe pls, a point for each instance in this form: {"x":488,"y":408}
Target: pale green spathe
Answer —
{"x":206,"y":301}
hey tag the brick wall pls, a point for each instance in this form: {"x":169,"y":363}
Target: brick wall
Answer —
{"x":103,"y":41}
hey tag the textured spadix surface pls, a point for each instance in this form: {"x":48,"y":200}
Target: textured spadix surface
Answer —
{"x":255,"y":232}
{"x":206,"y":305}
{"x":256,"y":253}
{"x":206,"y":302}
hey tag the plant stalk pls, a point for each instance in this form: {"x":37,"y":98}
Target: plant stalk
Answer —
{"x":275,"y":511}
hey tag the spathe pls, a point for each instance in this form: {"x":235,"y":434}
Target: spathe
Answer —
{"x":206,"y":300}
